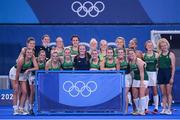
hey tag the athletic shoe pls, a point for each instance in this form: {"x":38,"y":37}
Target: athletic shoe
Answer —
{"x":15,"y":112}
{"x":163,"y":111}
{"x":155,"y":111}
{"x":135,"y":113}
{"x":168,"y":112}
{"x":142,"y":113}
{"x":23,"y":112}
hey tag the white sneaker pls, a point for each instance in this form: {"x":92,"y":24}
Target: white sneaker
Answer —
{"x":163,"y":111}
{"x":168,"y":112}
{"x":15,"y":112}
{"x":135,"y":112}
{"x":142,"y":113}
{"x":23,"y":112}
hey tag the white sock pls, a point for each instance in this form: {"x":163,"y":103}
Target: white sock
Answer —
{"x":136,"y":102}
{"x":30,"y":106}
{"x":26,"y":106}
{"x":18,"y":102}
{"x":156,"y":101}
{"x":147,"y":102}
{"x":129,"y":98}
{"x":20,"y":108}
{"x":142,"y":103}
{"x":15,"y":107}
{"x":169,"y":107}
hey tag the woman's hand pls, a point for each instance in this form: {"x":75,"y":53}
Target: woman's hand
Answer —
{"x":171,"y":81}
{"x":142,"y":84}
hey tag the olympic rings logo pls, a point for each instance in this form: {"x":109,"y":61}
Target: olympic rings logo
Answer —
{"x":87,"y":8}
{"x":79,"y":88}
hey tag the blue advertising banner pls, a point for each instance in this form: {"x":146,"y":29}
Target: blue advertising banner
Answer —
{"x":89,"y":11}
{"x":80,"y":91}
{"x":6,"y":97}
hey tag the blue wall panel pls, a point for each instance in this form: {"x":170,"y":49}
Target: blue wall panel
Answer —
{"x":116,"y":11}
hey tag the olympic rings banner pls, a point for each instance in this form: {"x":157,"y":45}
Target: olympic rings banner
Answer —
{"x":80,"y":91}
{"x":90,"y":11}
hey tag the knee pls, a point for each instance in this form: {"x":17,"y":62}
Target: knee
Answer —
{"x":32,"y":93}
{"x":135,"y":96}
{"x":164,"y":93}
{"x":24,"y":92}
{"x":169,"y":96}
{"x":15,"y":94}
{"x":15,"y":91}
{"x":155,"y":93}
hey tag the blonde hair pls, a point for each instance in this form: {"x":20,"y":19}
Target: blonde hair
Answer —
{"x":54,"y":50}
{"x":121,"y":38}
{"x":103,"y":41}
{"x":93,"y":40}
{"x":145,"y":45}
{"x":41,"y":51}
{"x":60,"y":39}
{"x":162,"y":40}
{"x":134,"y":40}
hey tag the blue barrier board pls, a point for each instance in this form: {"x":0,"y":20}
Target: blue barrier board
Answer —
{"x":80,"y":91}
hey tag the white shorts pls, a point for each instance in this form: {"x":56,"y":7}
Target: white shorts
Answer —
{"x":31,"y":79}
{"x":152,"y":78}
{"x":12,"y":73}
{"x":23,"y":77}
{"x":93,"y":69}
{"x":128,"y":80}
{"x":136,"y":83}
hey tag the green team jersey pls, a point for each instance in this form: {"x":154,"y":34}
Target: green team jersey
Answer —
{"x":42,"y":66}
{"x":151,"y":62}
{"x":115,"y":52}
{"x":67,"y":65}
{"x":26,"y":66}
{"x":101,"y":56}
{"x":95,"y":66}
{"x":61,"y":53}
{"x":136,"y":71}
{"x":74,"y":52}
{"x":55,"y":68}
{"x":124,"y":65}
{"x":110,"y":65}
{"x":164,"y":61}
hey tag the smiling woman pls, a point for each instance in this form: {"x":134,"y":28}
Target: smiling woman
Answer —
{"x":82,"y":60}
{"x":166,"y":72}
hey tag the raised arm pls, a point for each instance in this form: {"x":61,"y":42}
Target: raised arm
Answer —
{"x":21,"y":54}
